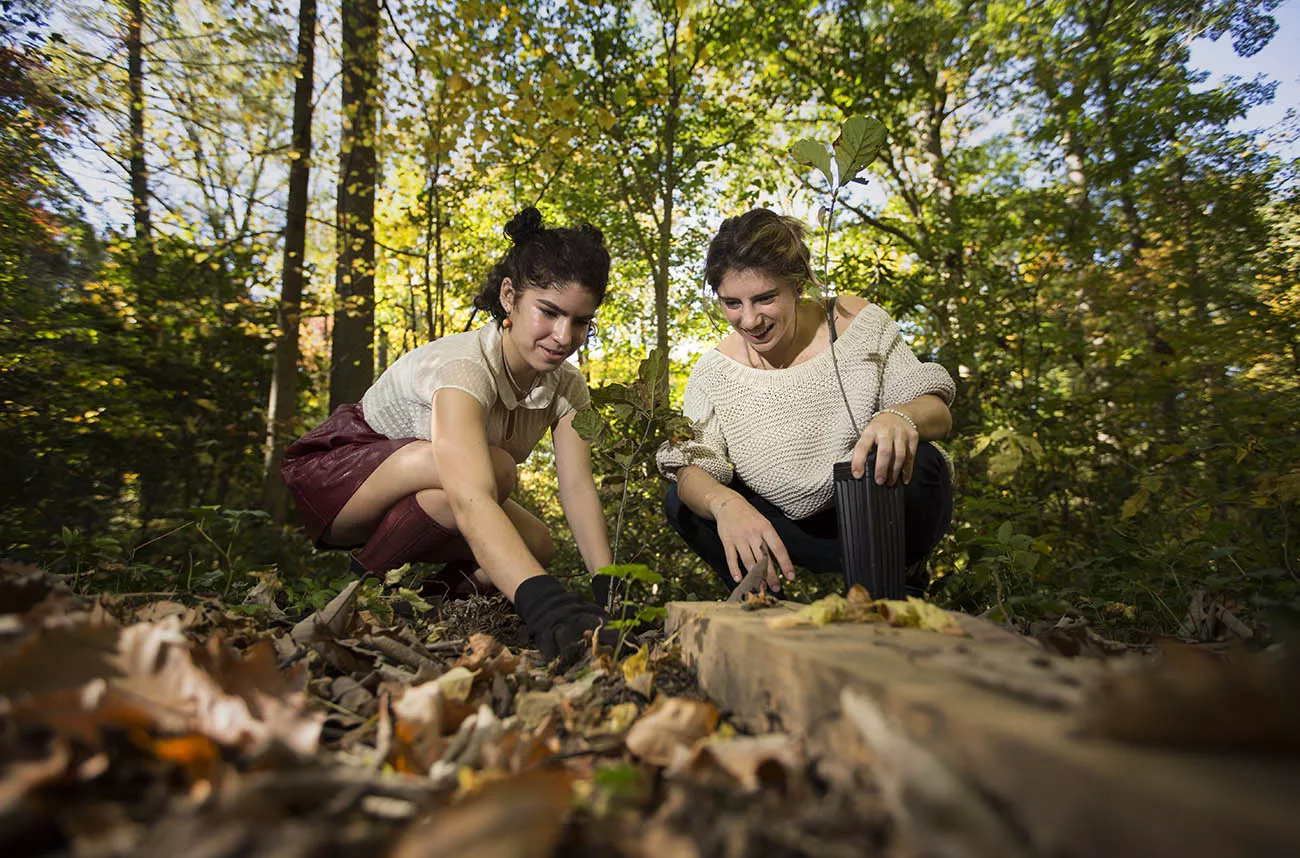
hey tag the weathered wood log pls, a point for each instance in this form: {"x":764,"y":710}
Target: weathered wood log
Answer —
{"x":997,"y":710}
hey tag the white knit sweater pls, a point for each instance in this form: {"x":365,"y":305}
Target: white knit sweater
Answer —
{"x":782,"y":430}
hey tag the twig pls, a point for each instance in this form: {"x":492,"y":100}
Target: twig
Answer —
{"x":396,"y":651}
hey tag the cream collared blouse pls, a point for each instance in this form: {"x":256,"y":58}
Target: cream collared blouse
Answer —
{"x":400,"y":403}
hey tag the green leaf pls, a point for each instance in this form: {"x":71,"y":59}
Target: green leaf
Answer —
{"x":608,"y":394}
{"x":1004,"y":532}
{"x":653,"y":370}
{"x":588,"y":424}
{"x":857,"y":146}
{"x":414,"y":599}
{"x":810,"y":153}
{"x":632,"y":572}
{"x":205,"y":513}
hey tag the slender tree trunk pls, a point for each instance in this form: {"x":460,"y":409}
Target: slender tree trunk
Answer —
{"x":352,"y":365}
{"x":284,"y":378}
{"x":138,"y":168}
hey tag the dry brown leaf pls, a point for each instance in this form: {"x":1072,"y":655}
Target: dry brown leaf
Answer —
{"x":20,"y":777}
{"x":670,"y":728}
{"x":332,"y":621}
{"x":150,"y":677}
{"x":485,"y":653}
{"x":643,"y":684}
{"x":521,"y":750}
{"x":197,"y":755}
{"x":759,"y":600}
{"x":417,"y":728}
{"x":752,"y":761}
{"x":533,"y":707}
{"x":60,"y":658}
{"x":516,"y":817}
{"x":861,"y":607}
{"x":1074,"y":637}
{"x":660,"y":841}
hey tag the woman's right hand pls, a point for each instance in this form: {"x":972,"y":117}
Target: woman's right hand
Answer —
{"x":746,"y":536}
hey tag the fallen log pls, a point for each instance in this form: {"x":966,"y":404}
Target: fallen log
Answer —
{"x":999,"y":712}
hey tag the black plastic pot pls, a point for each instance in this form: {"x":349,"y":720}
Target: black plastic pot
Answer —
{"x":871,"y":531}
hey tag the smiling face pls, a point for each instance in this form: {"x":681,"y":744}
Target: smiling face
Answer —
{"x":761,"y":308}
{"x":547,"y":325}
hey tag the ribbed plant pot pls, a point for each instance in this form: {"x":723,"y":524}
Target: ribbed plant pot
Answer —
{"x":871,"y":531}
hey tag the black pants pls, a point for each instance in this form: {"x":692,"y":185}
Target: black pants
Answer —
{"x":814,"y":542}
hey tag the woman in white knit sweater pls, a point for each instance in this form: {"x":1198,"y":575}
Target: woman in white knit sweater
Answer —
{"x":772,"y":416}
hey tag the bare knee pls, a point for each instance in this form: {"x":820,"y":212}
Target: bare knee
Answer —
{"x":538,"y":539}
{"x":504,"y":470}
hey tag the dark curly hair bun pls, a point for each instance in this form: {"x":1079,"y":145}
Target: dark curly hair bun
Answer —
{"x":589,"y":231}
{"x":545,"y":257}
{"x":524,"y":225}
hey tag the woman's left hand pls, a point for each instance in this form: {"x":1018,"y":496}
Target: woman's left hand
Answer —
{"x":895,"y":441}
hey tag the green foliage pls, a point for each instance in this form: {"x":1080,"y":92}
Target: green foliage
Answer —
{"x":625,"y":426}
{"x":630,"y":612}
{"x":1110,"y":274}
{"x":129,"y":401}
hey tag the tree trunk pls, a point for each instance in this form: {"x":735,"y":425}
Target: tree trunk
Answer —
{"x":352,"y":365}
{"x":284,"y":378}
{"x":138,"y":168}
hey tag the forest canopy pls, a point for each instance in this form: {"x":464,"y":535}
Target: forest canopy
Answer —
{"x":1063,"y":215}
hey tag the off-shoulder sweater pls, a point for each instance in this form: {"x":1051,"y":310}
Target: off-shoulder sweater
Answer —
{"x":782,"y":430}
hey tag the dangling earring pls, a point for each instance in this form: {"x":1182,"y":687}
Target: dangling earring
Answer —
{"x":507,"y":323}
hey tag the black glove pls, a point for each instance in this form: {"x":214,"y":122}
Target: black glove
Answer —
{"x":557,"y":618}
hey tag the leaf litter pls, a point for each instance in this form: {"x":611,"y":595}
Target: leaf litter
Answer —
{"x":175,"y":725}
{"x":162,"y":727}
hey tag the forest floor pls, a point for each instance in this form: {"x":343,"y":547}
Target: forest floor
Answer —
{"x":159,"y":724}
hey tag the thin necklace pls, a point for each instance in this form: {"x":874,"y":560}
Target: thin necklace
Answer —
{"x":752,"y":353}
{"x":510,"y":376}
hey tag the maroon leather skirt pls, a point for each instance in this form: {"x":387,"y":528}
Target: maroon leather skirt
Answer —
{"x":325,"y":467}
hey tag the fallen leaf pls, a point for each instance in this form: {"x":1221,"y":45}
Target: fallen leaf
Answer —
{"x":534,"y":706}
{"x":161,"y":610}
{"x":635,"y":664}
{"x":919,"y":614}
{"x":194,"y":753}
{"x":516,"y":817}
{"x":485,"y":653}
{"x":819,"y":613}
{"x":84,"y":677}
{"x":332,"y":620}
{"x":759,"y":600}
{"x":456,"y":683}
{"x":752,"y":761}
{"x":1072,"y":636}
{"x":669,"y":728}
{"x":619,"y":718}
{"x":417,"y":727}
{"x":19,"y":778}
{"x":637,"y":673}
